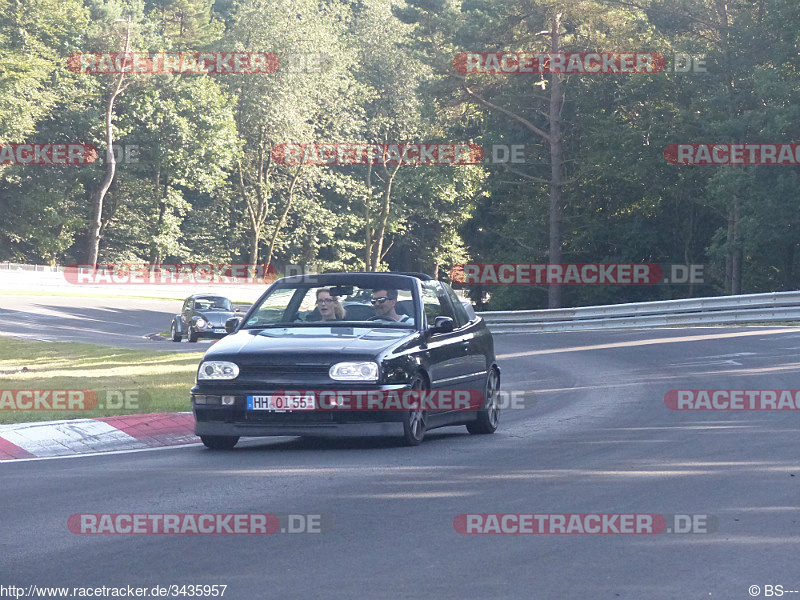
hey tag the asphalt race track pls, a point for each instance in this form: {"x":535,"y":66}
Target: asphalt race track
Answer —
{"x":118,"y":322}
{"x":598,"y":439}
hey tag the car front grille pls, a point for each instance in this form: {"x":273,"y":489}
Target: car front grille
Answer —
{"x":278,"y":376}
{"x":260,"y":371}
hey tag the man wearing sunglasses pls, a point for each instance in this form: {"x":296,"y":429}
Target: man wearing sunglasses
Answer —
{"x":384,"y":301}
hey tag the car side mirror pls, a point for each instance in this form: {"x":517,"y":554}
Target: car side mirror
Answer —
{"x":232,"y":323}
{"x":238,"y":309}
{"x":442,"y":325}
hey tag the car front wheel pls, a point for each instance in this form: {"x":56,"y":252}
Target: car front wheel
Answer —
{"x":193,"y":335}
{"x":414,"y":420}
{"x":176,"y":337}
{"x":489,"y":415}
{"x":219,"y":442}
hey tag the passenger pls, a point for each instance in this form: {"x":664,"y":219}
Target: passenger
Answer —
{"x":330,"y":309}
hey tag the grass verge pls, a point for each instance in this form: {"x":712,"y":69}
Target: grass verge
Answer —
{"x":154,"y":381}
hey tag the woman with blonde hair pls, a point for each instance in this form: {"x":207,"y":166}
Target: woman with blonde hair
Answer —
{"x":330,"y":309}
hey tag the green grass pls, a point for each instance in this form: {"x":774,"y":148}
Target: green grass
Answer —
{"x":161,"y":379}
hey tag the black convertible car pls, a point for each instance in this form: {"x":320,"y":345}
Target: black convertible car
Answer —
{"x":202,"y":315}
{"x":348,"y":335}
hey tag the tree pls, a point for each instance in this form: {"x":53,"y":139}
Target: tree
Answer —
{"x":33,"y":36}
{"x":307,"y":96}
{"x":185,"y":25}
{"x":522,"y":21}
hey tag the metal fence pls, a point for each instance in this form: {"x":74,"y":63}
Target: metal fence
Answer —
{"x":9,"y":266}
{"x":750,"y":308}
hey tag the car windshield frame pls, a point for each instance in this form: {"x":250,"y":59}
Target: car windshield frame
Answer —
{"x":302,"y":285}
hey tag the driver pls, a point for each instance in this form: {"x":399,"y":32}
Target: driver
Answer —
{"x":384,"y":301}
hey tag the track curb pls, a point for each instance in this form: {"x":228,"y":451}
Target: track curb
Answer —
{"x":95,"y":436}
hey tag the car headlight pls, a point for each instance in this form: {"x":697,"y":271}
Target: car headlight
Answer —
{"x":354,"y":371}
{"x":217,"y":369}
{"x":200,"y":323}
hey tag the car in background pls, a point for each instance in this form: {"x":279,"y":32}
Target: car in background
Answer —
{"x":202,"y":316}
{"x":432,"y":341}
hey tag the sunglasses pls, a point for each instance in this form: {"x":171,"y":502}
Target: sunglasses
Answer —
{"x":380,"y":300}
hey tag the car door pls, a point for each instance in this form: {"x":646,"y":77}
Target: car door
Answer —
{"x":186,"y":314}
{"x":477,"y":343}
{"x":475,"y":340}
{"x":449,"y":364}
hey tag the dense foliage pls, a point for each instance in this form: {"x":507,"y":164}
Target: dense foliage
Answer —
{"x":195,"y":179}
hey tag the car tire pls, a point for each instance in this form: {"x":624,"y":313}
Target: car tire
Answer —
{"x":219,"y":442}
{"x":176,"y":337}
{"x":414,"y":420}
{"x":193,"y":335}
{"x":489,"y":416}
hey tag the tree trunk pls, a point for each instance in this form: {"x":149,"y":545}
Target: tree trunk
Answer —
{"x":554,"y":138}
{"x":383,"y":218}
{"x":368,"y":222}
{"x":282,"y":219}
{"x":155,"y":253}
{"x":733,"y":258}
{"x":96,"y":222}
{"x":556,"y":166}
{"x":729,"y":254}
{"x":255,"y":237}
{"x":257,"y":208}
{"x":256,"y":223}
{"x":736,"y":249}
{"x":687,"y":248}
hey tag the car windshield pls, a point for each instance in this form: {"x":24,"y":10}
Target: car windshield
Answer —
{"x":213,"y":303}
{"x":305,"y":304}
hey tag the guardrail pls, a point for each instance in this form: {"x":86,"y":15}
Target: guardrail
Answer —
{"x":724,"y":310}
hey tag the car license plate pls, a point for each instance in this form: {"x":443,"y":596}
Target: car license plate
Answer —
{"x":219,"y":331}
{"x":281,"y":402}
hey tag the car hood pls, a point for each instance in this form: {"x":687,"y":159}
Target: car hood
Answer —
{"x":215,"y":317}
{"x":318,"y":341}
